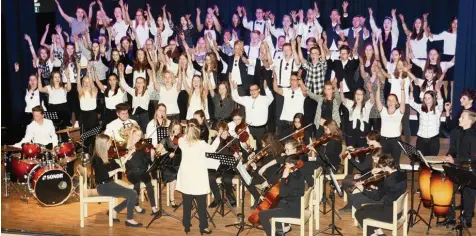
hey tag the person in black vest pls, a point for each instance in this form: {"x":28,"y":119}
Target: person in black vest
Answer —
{"x":389,"y":34}
{"x":467,"y":97}
{"x":332,"y":30}
{"x":352,"y":32}
{"x":239,"y":70}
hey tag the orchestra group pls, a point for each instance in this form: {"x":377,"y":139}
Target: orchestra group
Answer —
{"x":282,"y":101}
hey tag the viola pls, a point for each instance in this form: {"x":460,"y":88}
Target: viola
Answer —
{"x":374,"y":180}
{"x":271,"y":198}
{"x":117,"y":150}
{"x":240,"y":130}
{"x":359,"y":151}
{"x":143,"y":145}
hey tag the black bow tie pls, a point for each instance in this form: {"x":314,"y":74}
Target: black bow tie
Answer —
{"x":259,"y":23}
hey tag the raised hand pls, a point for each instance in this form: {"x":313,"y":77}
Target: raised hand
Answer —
{"x":425,"y":16}
{"x":216,"y":9}
{"x":371,"y":12}
{"x":58,"y":29}
{"x":394,"y":12}
{"x":301,"y":14}
{"x":47,"y":27}
{"x":293,"y":15}
{"x":345,"y":4}
{"x":27,"y":38}
{"x":16,"y":66}
{"x":92,"y":4}
{"x":402,"y":18}
{"x":187,"y":16}
{"x":121,"y":3}
{"x":198,"y":11}
{"x":209,"y":10}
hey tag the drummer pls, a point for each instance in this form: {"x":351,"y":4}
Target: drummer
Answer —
{"x":40,"y":130}
{"x":122,"y":121}
{"x":462,"y":149}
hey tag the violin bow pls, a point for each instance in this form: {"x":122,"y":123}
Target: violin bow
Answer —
{"x":303,"y":128}
{"x":115,"y":147}
{"x":229,"y":142}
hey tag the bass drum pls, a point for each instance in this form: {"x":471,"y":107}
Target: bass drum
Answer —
{"x":50,"y":184}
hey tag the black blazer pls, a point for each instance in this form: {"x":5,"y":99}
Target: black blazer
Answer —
{"x":345,"y":73}
{"x":390,"y":189}
{"x":246,"y":79}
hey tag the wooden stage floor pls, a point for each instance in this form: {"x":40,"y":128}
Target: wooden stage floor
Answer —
{"x":64,"y":219}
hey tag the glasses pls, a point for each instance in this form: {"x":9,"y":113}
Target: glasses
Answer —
{"x":286,"y":67}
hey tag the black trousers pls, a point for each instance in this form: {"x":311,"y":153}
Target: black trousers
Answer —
{"x":88,"y":120}
{"x":136,"y":179}
{"x":109,"y":115}
{"x":359,"y":199}
{"x":375,"y":124}
{"x":406,"y":124}
{"x":376,"y":212}
{"x":428,"y":146}
{"x":73,"y":101}
{"x":310,"y":107}
{"x":282,"y":210}
{"x":115,"y":190}
{"x":201,"y":209}
{"x":469,"y":195}
{"x":284,"y":127}
{"x":391,"y":146}
{"x":182,"y":101}
{"x":258,"y":132}
{"x":227,"y":181}
{"x":142,"y":119}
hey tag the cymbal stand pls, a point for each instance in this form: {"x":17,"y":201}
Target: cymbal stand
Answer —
{"x":9,"y":185}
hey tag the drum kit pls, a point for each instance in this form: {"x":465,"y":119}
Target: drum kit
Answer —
{"x":35,"y":170}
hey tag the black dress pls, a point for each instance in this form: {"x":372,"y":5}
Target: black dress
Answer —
{"x":170,"y":165}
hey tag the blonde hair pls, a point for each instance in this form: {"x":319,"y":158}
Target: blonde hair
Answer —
{"x":133,"y":129}
{"x":193,"y":131}
{"x":83,"y":90}
{"x":101,"y":147}
{"x":165,"y":120}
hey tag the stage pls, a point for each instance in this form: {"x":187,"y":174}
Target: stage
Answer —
{"x":32,"y":218}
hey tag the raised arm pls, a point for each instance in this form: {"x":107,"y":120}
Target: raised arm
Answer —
{"x":125,"y":12}
{"x":216,"y":22}
{"x":402,"y":96}
{"x":404,"y":26}
{"x":90,"y":14}
{"x":66,"y":17}
{"x":32,"y":49}
{"x":382,"y":55}
{"x":43,"y":38}
{"x":153,"y":76}
{"x":373,"y":26}
{"x":342,"y":97}
{"x":40,"y":84}
{"x":276,"y":89}
{"x":378,"y":102}
{"x":198,"y":21}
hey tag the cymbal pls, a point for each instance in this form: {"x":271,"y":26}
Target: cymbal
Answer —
{"x":67,"y":130}
{"x":11,"y":149}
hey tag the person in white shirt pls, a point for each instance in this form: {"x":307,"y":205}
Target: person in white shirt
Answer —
{"x":159,"y":120}
{"x":237,"y":119}
{"x":140,"y":94}
{"x":87,"y":94}
{"x":395,"y":55}
{"x":198,"y":94}
{"x":293,"y":101}
{"x":429,"y":82}
{"x":256,"y":108}
{"x":212,"y":25}
{"x":395,"y":80}
{"x":113,"y":129}
{"x":428,"y":138}
{"x":169,"y":92}
{"x":57,"y":92}
{"x":113,"y":95}
{"x":308,"y":26}
{"x":253,"y":50}
{"x":141,"y":26}
{"x":418,"y":36}
{"x":449,"y":39}
{"x":288,"y":31}
{"x":391,"y":121}
{"x":40,"y":130}
{"x":120,"y":26}
{"x":286,"y":66}
{"x":32,"y":96}
{"x":388,"y":37}
{"x":192,"y":177}
{"x":164,"y":31}
{"x":258,"y":25}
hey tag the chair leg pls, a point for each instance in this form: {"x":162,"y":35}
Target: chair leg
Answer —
{"x":81,"y":214}
{"x":345,"y":196}
{"x":273,"y":226}
{"x":405,"y":227}
{"x":356,"y":223}
{"x":168,"y":192}
{"x":111,"y":202}
{"x":317,"y":215}
{"x":311,"y":221}
{"x":364,"y":228}
{"x":85,"y":210}
{"x":394,"y":232}
{"x":142,"y":195}
{"x":302,"y":228}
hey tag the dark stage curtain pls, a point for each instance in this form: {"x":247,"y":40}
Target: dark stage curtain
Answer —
{"x":465,"y":71}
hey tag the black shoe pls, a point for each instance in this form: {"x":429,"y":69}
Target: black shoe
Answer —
{"x":115,"y":220}
{"x":140,"y":212}
{"x":345,"y":209}
{"x":449,"y":222}
{"x":215,"y":203}
{"x":173,"y":205}
{"x":206,"y":231}
{"x":133,"y":225}
{"x":279,"y":232}
{"x":232,"y":200}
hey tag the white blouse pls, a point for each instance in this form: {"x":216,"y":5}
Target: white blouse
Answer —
{"x":396,"y":87}
{"x":136,"y":74}
{"x":142,"y":31}
{"x":139,"y":100}
{"x":356,"y":114}
{"x":150,"y":131}
{"x":56,"y":96}
{"x":429,"y":123}
{"x":293,"y":103}
{"x":192,"y":177}
{"x":88,"y":102}
{"x":449,"y":39}
{"x":169,"y":98}
{"x":197,"y":104}
{"x":391,"y":123}
{"x":32,"y":99}
{"x":419,"y":47}
{"x":112,"y":100}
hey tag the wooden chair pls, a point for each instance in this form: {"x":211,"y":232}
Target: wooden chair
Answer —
{"x":399,"y":206}
{"x":90,"y":195}
{"x":317,"y":195}
{"x":307,"y":212}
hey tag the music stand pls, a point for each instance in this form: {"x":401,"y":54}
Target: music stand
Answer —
{"x":334,"y":186}
{"x":52,"y":115}
{"x":327,"y":166}
{"x":415,"y":156}
{"x":227,"y":163}
{"x":162,"y":132}
{"x":159,"y":165}
{"x":465,"y":178}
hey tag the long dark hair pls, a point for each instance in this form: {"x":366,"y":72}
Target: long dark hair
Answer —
{"x":415,"y":35}
{"x":355,"y":101}
{"x":106,"y":91}
{"x":425,"y":108}
{"x":275,"y":147}
{"x":69,"y":59}
{"x":437,"y":67}
{"x":433,"y":68}
{"x":299,"y":116}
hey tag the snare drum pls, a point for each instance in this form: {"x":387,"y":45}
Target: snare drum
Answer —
{"x":50,"y":184}
{"x":65,"y":152}
{"x":31,"y":152}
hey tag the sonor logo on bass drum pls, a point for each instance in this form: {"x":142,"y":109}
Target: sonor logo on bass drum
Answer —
{"x":55,"y":176}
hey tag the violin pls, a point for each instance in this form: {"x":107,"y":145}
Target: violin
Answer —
{"x":143,"y":145}
{"x":257,"y":157}
{"x":240,"y":130}
{"x":176,"y":138}
{"x":374,"y":180}
{"x":298,"y":135}
{"x":358,"y":151}
{"x":117,"y":150}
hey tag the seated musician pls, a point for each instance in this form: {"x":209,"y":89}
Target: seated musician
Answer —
{"x":227,"y":174}
{"x":266,"y":173}
{"x":159,"y":120}
{"x":331,"y":149}
{"x":136,"y":167}
{"x":40,"y":130}
{"x":237,"y":119}
{"x":202,"y":121}
{"x":290,"y":192}
{"x":104,"y":171}
{"x":304,"y":136}
{"x":394,"y":184}
{"x":122,"y":122}
{"x":463,"y":149}
{"x":169,"y":146}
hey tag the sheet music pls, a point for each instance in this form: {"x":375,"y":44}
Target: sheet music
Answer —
{"x":244,"y":174}
{"x":212,"y":163}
